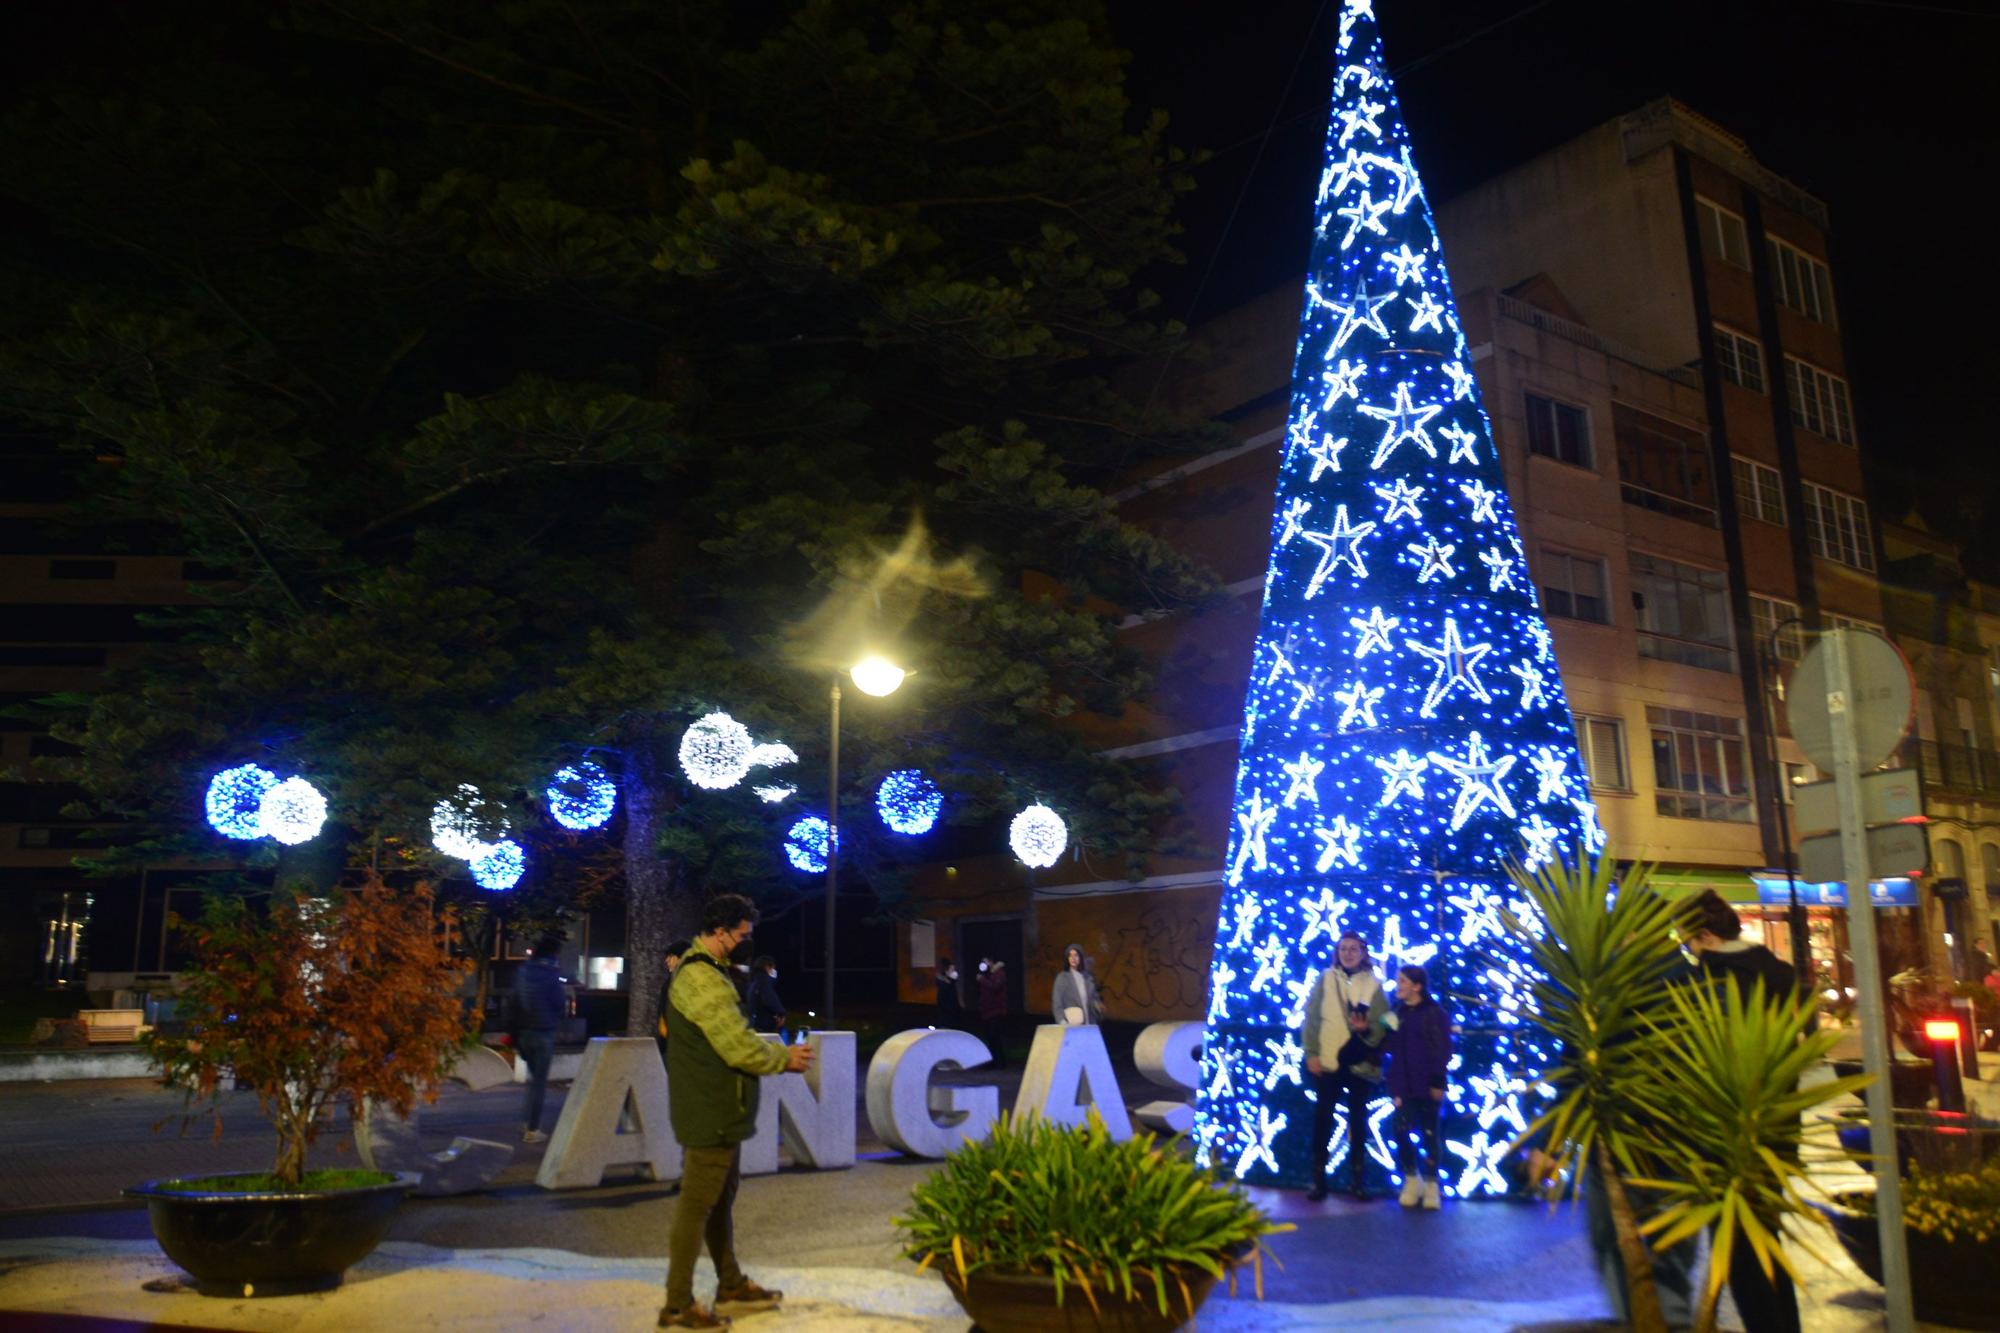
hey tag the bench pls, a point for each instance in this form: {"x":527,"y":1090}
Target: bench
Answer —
{"x":112,"y":1026}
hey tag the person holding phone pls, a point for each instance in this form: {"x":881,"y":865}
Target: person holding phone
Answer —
{"x":1073,"y":1000}
{"x":1347,"y":1019}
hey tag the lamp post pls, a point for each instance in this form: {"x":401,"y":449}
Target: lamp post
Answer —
{"x":874,"y":675}
{"x":1796,"y":913}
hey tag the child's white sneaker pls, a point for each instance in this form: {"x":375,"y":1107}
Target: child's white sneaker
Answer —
{"x":1413,"y":1190}
{"x":1431,"y":1200}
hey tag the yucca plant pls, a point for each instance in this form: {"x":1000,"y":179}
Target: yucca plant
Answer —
{"x":1729,"y":1065}
{"x":1130,"y":1220}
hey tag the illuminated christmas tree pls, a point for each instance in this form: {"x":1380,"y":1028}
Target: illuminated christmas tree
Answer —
{"x":1405,"y":732}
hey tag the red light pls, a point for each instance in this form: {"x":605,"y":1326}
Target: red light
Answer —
{"x":1941,"y":1029}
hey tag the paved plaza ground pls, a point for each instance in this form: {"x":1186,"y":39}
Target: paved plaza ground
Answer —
{"x":74,"y":1255}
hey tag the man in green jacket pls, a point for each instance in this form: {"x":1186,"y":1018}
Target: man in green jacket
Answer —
{"x":713,"y":1063}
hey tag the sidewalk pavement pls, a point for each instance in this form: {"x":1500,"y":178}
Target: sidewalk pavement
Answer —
{"x":516,"y":1255}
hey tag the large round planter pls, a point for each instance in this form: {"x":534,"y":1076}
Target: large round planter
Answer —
{"x":1951,"y":1282}
{"x":271,"y":1244}
{"x":1026,"y":1303}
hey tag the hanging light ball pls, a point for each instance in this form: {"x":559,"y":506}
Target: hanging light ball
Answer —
{"x":909,"y":802}
{"x":499,"y":865}
{"x":235,"y":795}
{"x":292,"y":812}
{"x":582,"y":796}
{"x":455,"y":829}
{"x":715,"y":752}
{"x":1038,"y":836}
{"x":807,"y":844}
{"x":773,"y":754}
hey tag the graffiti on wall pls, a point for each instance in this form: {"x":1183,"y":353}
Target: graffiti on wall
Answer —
{"x":1157,"y":965}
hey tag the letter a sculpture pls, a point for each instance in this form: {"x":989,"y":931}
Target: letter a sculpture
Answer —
{"x":1405,"y":732}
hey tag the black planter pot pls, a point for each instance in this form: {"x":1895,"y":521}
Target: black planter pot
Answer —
{"x":1026,"y":1303}
{"x":1951,"y":1282}
{"x":1933,"y":1141}
{"x":274,"y":1244}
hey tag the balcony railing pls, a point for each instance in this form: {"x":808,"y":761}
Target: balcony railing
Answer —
{"x":1955,"y":767}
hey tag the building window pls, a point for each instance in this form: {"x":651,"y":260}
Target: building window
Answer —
{"x":1819,"y":401}
{"x":1950,"y":859}
{"x":1558,"y":430}
{"x":1663,"y":467}
{"x":1683,"y":612}
{"x":1699,"y":770}
{"x":1837,"y":527}
{"x":1740,"y":358}
{"x":1766,"y":615}
{"x":1601,"y":742}
{"x":1791,"y":777}
{"x":1573,"y":586}
{"x":1989,"y":864}
{"x":1758,"y":494}
{"x":1722,"y":233}
{"x":1802,"y":282}
{"x":1834,"y":620}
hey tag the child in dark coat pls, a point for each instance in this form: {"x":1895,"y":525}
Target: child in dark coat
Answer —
{"x":1419,"y":1051}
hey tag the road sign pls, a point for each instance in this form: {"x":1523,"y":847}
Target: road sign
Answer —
{"x":1893,"y":850}
{"x":1888,"y":797}
{"x":1879,"y":698}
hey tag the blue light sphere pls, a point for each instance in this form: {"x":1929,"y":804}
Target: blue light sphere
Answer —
{"x":909,"y":802}
{"x":292,"y":812}
{"x":582,"y":796}
{"x":499,"y":865}
{"x":235,"y":795}
{"x":807,"y":843}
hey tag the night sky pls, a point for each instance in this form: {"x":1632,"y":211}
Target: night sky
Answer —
{"x":1882,"y":109}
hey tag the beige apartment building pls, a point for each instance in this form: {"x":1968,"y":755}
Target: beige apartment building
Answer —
{"x":1655,"y":326}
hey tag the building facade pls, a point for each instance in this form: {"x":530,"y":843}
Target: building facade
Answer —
{"x":1655,"y":327}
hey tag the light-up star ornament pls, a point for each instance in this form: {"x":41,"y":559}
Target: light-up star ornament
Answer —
{"x":1405,"y":422}
{"x":1456,"y":664}
{"x":1480,"y":779}
{"x":1305,"y":781}
{"x":1402,"y":500}
{"x":1339,"y":546}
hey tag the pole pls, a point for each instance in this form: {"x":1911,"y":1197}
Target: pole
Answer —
{"x":1868,"y":981}
{"x":1795,"y":916}
{"x":832,"y":846}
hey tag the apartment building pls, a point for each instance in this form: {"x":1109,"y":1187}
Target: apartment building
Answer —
{"x":1655,"y":327}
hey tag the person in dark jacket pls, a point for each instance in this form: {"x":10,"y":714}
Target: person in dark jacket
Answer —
{"x":540,"y":1003}
{"x":1713,"y":932}
{"x":767,"y":1011}
{"x":993,"y":1006}
{"x":950,"y":1005}
{"x":1074,"y":999}
{"x":1419,"y":1053}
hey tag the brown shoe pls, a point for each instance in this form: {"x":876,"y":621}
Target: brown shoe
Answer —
{"x":746,"y":1297}
{"x":691,"y":1317}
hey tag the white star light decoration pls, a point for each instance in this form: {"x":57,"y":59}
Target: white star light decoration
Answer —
{"x":1305,"y":777}
{"x":1340,"y":842}
{"x":1539,"y":837}
{"x":1374,"y":632}
{"x":1434,"y":558}
{"x":1479,"y":777}
{"x":1248,"y":909}
{"x":1462,"y":441}
{"x":1461,"y":383}
{"x":1551,"y":774}
{"x":1483,"y":1160}
{"x":1408,"y":265}
{"x":1402,"y":772}
{"x":1323,"y":916}
{"x":1499,"y":570}
{"x":1534,"y":692}
{"x":1402,"y":498}
{"x":1398,"y":952}
{"x":1218,"y":992}
{"x":1285,"y":1057}
{"x":1457,"y":665}
{"x":1357,"y":706}
{"x":1481,"y":501}
{"x":1403,"y":421}
{"x":1359,"y":312}
{"x":1259,"y":1147}
{"x":1325,"y":456}
{"x":1256,"y":824}
{"x":1343,"y":381}
{"x":1271,"y":958}
{"x":1499,"y":1098}
{"x":1364,"y":214}
{"x":1294,"y":516}
{"x":1345,"y":533}
{"x":1481,"y":907}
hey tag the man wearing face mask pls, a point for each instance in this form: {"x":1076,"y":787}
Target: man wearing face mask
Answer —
{"x":767,"y":1011}
{"x":993,"y":1008}
{"x":950,"y":1007}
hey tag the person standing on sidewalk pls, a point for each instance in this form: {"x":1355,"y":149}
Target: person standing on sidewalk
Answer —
{"x":993,"y":1008}
{"x":767,"y":1010}
{"x":950,"y":1006}
{"x":1347,"y":1019}
{"x":1073,"y":1000}
{"x":713,"y":1063}
{"x":1419,"y":1051}
{"x":540,"y":1004}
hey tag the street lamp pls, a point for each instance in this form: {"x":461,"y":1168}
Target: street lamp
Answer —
{"x":878,"y":676}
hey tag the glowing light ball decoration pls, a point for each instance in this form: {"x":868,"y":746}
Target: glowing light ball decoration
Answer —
{"x":808,"y":843}
{"x":1405,"y":731}
{"x":235,"y":800}
{"x":582,"y":796}
{"x":455,"y":829}
{"x":1038,"y":836}
{"x":716,"y":752}
{"x":499,"y":865}
{"x":293,"y":812}
{"x":909,"y":802}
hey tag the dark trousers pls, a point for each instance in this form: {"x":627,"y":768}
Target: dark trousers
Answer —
{"x":538,"y":1050}
{"x":994,"y":1032}
{"x":1417,"y":1128}
{"x":1766,"y":1304}
{"x":1353,"y":1091}
{"x":704,"y":1212}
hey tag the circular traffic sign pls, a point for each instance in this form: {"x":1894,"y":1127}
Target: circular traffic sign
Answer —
{"x":1879,"y":699}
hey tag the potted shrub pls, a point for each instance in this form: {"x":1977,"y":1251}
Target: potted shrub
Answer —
{"x":315,"y":1002}
{"x":1951,"y":1221}
{"x":1040,"y":1226}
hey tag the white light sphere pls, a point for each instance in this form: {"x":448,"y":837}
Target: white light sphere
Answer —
{"x":499,"y":865}
{"x":774,"y":754}
{"x":455,"y":827}
{"x":877,"y":676}
{"x":1038,"y":836}
{"x":234,"y":797}
{"x":715,"y":752}
{"x":292,"y":812}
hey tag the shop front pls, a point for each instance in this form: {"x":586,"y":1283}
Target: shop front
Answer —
{"x":1899,"y":925}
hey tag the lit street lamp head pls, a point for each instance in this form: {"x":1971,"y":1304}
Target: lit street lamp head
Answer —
{"x":877,"y":675}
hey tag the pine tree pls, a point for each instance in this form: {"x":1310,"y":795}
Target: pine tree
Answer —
{"x":1405,"y":732}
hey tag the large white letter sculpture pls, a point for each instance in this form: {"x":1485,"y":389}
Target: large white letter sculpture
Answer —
{"x":911,"y":1116}
{"x":1068,"y":1072}
{"x":814,"y":1111}
{"x":615,"y":1115}
{"x":1167,"y":1054}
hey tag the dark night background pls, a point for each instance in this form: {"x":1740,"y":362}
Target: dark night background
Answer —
{"x":1881,"y":108}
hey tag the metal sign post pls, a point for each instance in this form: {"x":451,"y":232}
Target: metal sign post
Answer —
{"x":1867,"y":980}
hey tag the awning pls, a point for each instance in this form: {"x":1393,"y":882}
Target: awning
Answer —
{"x":1734,"y":886}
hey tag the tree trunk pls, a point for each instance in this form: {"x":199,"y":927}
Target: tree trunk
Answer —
{"x":656,"y":906}
{"x":1642,"y":1297}
{"x":482,"y":969}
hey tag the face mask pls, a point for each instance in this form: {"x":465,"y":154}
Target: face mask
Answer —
{"x":982,"y":967}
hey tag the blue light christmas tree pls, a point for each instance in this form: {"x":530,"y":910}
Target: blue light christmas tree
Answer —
{"x":1405,"y":732}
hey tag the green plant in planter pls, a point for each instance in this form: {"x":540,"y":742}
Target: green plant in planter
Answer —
{"x":317,"y":1001}
{"x":1962,"y":1205}
{"x":1125,"y":1219}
